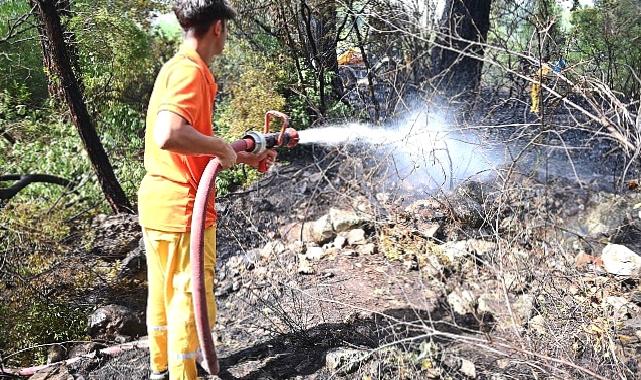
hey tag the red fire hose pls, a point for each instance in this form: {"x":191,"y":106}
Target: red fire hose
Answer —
{"x":252,"y":142}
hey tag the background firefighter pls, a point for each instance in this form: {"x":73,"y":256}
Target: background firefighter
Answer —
{"x":540,"y":77}
{"x":543,"y":75}
{"x":179,"y":142}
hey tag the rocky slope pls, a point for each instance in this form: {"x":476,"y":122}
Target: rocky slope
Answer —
{"x":325,"y":270}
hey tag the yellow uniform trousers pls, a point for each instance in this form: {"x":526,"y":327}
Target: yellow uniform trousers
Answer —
{"x":173,"y":342}
{"x":535,"y":93}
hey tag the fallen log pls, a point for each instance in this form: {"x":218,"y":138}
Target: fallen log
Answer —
{"x":110,"y":351}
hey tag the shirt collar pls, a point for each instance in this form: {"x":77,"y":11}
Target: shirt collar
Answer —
{"x":193,"y":56}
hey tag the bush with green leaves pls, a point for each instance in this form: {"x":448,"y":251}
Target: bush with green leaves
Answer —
{"x":607,"y":36}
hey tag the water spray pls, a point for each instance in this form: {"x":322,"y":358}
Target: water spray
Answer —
{"x":421,"y":150}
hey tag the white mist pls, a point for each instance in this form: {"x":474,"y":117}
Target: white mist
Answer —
{"x":421,"y":152}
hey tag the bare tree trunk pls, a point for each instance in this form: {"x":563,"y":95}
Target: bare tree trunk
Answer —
{"x":46,"y":11}
{"x":370,"y":74}
{"x":328,"y":37}
{"x":464,"y":23}
{"x":320,"y":22}
{"x":63,"y":8}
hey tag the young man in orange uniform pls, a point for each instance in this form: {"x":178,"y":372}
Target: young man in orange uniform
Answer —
{"x":179,"y":142}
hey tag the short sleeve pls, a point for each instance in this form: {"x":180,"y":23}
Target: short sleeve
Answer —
{"x":183,"y":92}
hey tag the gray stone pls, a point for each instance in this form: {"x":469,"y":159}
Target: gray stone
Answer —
{"x":115,"y":236}
{"x":462,"y":302}
{"x":345,"y":220}
{"x":83,"y":349}
{"x":537,"y":324}
{"x":466,"y":211}
{"x":274,"y":247}
{"x":620,"y":260}
{"x":304,"y":266}
{"x":349,"y":253}
{"x":612,"y":216}
{"x":297,"y":232}
{"x":340,"y":241}
{"x":315,"y":253}
{"x":56,"y":353}
{"x":464,"y":366}
{"x":515,"y":282}
{"x":115,"y":322}
{"x":356,"y":237}
{"x":134,"y":266}
{"x":428,"y":230}
{"x":523,"y":308}
{"x":322,"y":230}
{"x":366,"y":249}
{"x":344,"y":360}
{"x":606,"y":216}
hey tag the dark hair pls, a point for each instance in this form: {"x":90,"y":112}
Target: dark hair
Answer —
{"x":198,"y":15}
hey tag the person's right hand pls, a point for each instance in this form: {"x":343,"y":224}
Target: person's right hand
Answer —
{"x":227,"y":157}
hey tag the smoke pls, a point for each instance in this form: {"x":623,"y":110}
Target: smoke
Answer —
{"x":421,"y":152}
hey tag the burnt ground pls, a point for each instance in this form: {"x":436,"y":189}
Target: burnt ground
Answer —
{"x":397,"y":305}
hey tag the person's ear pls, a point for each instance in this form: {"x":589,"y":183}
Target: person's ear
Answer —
{"x":218,"y":27}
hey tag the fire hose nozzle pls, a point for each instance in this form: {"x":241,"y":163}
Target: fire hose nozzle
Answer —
{"x":262,"y":141}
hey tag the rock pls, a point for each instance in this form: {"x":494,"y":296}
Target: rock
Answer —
{"x":489,"y":303}
{"x":56,"y":353}
{"x":349,"y":253}
{"x":383,"y":197}
{"x":344,"y":360}
{"x":515,"y":282}
{"x":366,"y":249}
{"x":455,"y":251}
{"x":613,"y":216}
{"x":304,"y":266}
{"x":537,"y":324}
{"x":274,"y":247}
{"x":458,"y":251}
{"x":462,"y":302}
{"x":134,"y":266}
{"x":115,"y":236}
{"x":468,"y":369}
{"x":410,"y":265}
{"x":322,"y":230}
{"x":58,"y":372}
{"x":466,"y":211}
{"x":344,"y":220}
{"x":464,"y":366}
{"x":314,"y":253}
{"x":474,"y":190}
{"x":340,"y":241}
{"x":115,"y":322}
{"x":297,"y":232}
{"x":621,"y":308}
{"x":620,"y":260}
{"x":607,"y":215}
{"x":480,"y":248}
{"x":356,"y":237}
{"x":428,"y":230}
{"x":83,"y":349}
{"x":250,"y":258}
{"x":523,"y":308}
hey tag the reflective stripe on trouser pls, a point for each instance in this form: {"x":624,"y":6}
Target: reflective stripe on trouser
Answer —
{"x":535,"y":94}
{"x":170,"y":314}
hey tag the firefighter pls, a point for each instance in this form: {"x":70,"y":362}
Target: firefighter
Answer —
{"x":535,"y":90}
{"x":179,"y":142}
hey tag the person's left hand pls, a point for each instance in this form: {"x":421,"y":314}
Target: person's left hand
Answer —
{"x":253,"y":159}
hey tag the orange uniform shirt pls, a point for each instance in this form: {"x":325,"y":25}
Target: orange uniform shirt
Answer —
{"x":184,"y":86}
